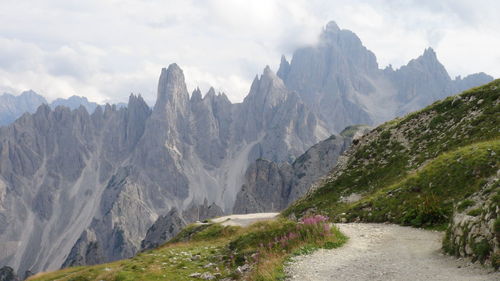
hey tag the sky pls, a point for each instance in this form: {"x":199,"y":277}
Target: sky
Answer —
{"x":107,"y":49}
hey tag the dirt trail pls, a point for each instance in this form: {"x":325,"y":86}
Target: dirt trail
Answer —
{"x":386,"y":252}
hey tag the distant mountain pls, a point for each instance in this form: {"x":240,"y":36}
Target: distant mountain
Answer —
{"x":12,"y":107}
{"x":74,"y":102}
{"x":340,"y":80}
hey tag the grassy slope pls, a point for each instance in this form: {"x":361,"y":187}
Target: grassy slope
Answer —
{"x":411,"y":170}
{"x":212,"y":248}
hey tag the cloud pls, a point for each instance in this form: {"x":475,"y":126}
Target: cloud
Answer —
{"x":107,"y":49}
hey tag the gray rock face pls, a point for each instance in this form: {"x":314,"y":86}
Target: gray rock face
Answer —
{"x":271,"y":186}
{"x":167,"y":226}
{"x":163,"y":229}
{"x":79,"y":188}
{"x":473,"y":230}
{"x":340,"y":79}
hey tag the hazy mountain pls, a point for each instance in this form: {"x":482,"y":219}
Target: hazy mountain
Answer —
{"x":341,"y":80}
{"x":74,"y":102}
{"x":12,"y":107}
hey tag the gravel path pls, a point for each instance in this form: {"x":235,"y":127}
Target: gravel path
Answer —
{"x":386,"y":252}
{"x":245,"y":220}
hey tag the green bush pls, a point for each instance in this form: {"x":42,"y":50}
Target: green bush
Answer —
{"x":496,"y":227}
{"x":79,"y":278}
{"x":465,"y":204}
{"x":475,"y":212}
{"x":214,"y":231}
{"x":481,"y":250}
{"x":495,"y":261}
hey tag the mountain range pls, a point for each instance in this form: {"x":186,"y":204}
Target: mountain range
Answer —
{"x":12,"y":107}
{"x":341,"y":80}
{"x":436,"y":168}
{"x":83,"y":188}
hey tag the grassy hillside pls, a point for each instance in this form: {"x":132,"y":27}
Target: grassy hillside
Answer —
{"x":435,"y":168}
{"x":213,"y":252}
{"x":413,"y":169}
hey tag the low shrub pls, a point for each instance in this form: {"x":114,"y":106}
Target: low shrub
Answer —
{"x":474,"y":212}
{"x":481,"y":250}
{"x":465,"y":204}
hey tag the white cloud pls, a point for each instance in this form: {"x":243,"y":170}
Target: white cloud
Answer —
{"x":107,"y":49}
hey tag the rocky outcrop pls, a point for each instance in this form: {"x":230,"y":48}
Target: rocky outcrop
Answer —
{"x":271,"y":186}
{"x":8,"y":274}
{"x":167,"y":226}
{"x":475,"y":227}
{"x":340,"y":79}
{"x":163,"y":229}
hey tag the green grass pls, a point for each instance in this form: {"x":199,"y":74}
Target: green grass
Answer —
{"x":465,"y":204}
{"x":223,"y":247}
{"x":426,"y":198}
{"x":474,"y":212}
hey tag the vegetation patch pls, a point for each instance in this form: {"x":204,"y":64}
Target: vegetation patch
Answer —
{"x":474,"y":212}
{"x":465,"y":204}
{"x":215,"y":251}
{"x":482,"y":250}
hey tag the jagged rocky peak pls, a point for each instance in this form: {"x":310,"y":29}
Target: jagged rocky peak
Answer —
{"x":31,"y":94}
{"x":74,"y":102}
{"x":136,"y":101}
{"x":196,"y":95}
{"x":347,"y":44}
{"x":429,"y":60}
{"x":211,"y":93}
{"x":267,"y":90}
{"x":331,"y":27}
{"x":284,"y":68}
{"x":172,"y":90}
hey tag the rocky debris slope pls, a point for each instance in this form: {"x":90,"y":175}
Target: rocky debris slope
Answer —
{"x":340,"y":79}
{"x":271,"y":186}
{"x":385,"y":252}
{"x":475,"y":227}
